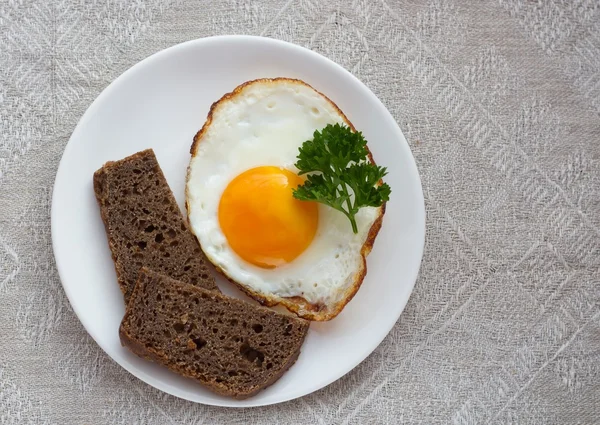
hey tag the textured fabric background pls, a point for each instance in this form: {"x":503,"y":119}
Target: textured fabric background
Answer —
{"x":500,"y":102}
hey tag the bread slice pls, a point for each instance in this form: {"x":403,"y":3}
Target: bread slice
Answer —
{"x":144,"y":224}
{"x":319,"y":311}
{"x":233,"y":347}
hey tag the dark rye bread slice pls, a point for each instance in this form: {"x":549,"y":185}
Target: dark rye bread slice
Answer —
{"x":144,"y":224}
{"x":233,"y":347}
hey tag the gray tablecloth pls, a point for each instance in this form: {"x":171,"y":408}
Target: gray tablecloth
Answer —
{"x":500,"y":102}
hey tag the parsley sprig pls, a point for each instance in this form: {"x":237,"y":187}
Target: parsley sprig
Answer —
{"x":341,"y":175}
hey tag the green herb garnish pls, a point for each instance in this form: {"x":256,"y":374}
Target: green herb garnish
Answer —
{"x":344,"y":179}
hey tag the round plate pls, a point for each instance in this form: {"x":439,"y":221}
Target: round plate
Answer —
{"x":161,"y":103}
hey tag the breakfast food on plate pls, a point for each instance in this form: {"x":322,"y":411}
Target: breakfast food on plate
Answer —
{"x":144,"y":224}
{"x":283,"y":197}
{"x":246,"y":196}
{"x":231,"y":346}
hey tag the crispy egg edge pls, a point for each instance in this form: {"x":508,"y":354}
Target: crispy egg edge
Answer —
{"x":298,"y":305}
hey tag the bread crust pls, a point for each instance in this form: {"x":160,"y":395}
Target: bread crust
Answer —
{"x":107,"y":196}
{"x":158,"y":356}
{"x":298,"y":305}
{"x":99,"y":191}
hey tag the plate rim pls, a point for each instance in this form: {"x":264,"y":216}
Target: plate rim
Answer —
{"x":114,"y":85}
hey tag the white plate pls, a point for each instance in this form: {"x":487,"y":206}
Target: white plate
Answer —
{"x":160,"y":103}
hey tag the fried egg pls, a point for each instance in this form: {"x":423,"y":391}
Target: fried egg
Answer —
{"x":301,"y":254}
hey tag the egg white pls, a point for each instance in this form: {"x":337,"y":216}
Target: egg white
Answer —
{"x":265,"y":124}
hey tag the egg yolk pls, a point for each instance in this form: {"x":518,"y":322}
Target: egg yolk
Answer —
{"x":263,"y":223}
